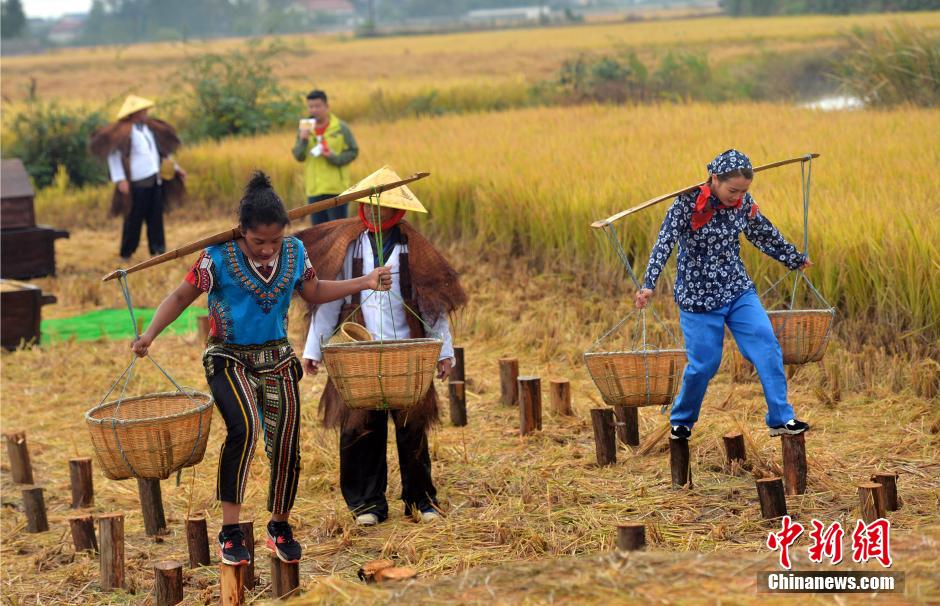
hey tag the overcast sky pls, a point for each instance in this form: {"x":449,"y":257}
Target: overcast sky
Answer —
{"x":54,"y":8}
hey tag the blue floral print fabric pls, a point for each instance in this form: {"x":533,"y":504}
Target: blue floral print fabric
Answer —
{"x":710,"y":273}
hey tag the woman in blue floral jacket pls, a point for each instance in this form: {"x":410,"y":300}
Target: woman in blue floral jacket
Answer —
{"x":713,"y":289}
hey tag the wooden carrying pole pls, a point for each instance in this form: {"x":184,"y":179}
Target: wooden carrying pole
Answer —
{"x":235,"y":232}
{"x":614,"y":218}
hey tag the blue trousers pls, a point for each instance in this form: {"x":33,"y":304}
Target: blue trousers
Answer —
{"x":704,"y":337}
{"x":330,"y":214}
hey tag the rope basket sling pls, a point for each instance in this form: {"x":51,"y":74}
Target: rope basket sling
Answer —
{"x":149,"y":436}
{"x":803,"y":334}
{"x":380,"y":374}
{"x":641,"y":374}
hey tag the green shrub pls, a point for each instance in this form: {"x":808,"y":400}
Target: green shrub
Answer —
{"x":46,"y":136}
{"x":234,"y":94}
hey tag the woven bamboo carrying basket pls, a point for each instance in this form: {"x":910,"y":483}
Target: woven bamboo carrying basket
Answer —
{"x":150,"y":436}
{"x":637,"y":378}
{"x":393,"y":374}
{"x":803,"y":333}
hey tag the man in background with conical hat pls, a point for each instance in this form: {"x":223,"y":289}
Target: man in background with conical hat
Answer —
{"x":147,"y":180}
{"x":423,"y":281}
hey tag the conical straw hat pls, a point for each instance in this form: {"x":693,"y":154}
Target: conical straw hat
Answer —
{"x":133,"y":104}
{"x":401,"y":197}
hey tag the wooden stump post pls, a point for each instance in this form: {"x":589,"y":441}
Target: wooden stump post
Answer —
{"x":605,"y":447}
{"x":889,"y":484}
{"x":773,"y":502}
{"x":508,"y":377}
{"x":459,"y":373}
{"x":794,"y":463}
{"x":631,"y":536}
{"x":560,"y":392}
{"x":20,"y":467}
{"x":680,"y":464}
{"x":458,"y":403}
{"x":202,"y":323}
{"x":248,"y":528}
{"x":530,"y":404}
{"x":35,"y":507}
{"x":734,"y":449}
{"x":83,"y":492}
{"x":111,"y":558}
{"x":232,"y":584}
{"x":197,"y":538}
{"x":628,"y":424}
{"x":151,"y":506}
{"x":167,"y":583}
{"x":285,"y":578}
{"x":871,"y":501}
{"x":83,"y":533}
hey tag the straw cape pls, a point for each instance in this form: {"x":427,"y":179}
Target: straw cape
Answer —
{"x":436,"y":290}
{"x":117,"y":135}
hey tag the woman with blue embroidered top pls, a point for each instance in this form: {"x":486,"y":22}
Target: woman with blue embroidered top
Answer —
{"x":251,"y":369}
{"x":713,"y":289}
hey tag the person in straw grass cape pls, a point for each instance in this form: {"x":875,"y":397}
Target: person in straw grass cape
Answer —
{"x":251,"y":369}
{"x":713,"y":289}
{"x":139,"y":149}
{"x":428,"y":284}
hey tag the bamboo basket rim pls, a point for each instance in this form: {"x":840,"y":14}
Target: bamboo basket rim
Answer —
{"x":396,"y":343}
{"x":112,"y":421}
{"x":639,"y":352}
{"x":821,"y":311}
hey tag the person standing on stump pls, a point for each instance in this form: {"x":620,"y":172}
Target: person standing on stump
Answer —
{"x":250,"y":366}
{"x":326,"y":146}
{"x":147,"y":180}
{"x":713,"y":289}
{"x":424,"y":282}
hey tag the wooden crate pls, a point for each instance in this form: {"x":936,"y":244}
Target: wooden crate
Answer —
{"x":16,"y":196}
{"x":20,"y":312}
{"x":29,"y":252}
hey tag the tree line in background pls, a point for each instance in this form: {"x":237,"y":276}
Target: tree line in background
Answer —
{"x":763,"y":8}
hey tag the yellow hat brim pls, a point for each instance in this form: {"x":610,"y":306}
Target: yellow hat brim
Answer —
{"x":132,"y":105}
{"x":401,"y":197}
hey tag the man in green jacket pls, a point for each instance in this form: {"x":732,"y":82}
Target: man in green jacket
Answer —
{"x":326,"y":146}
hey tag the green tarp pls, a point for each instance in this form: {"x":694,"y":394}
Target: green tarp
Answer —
{"x":111,"y":324}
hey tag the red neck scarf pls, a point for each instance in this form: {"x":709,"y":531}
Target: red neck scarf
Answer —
{"x":703,"y":211}
{"x":386,"y":225}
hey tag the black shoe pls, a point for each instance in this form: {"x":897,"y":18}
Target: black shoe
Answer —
{"x":680,"y":432}
{"x":790,"y":428}
{"x":281,"y":542}
{"x":232,"y":550}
